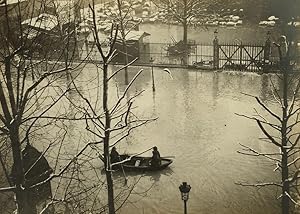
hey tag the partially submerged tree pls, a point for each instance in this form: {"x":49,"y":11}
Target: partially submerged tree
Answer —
{"x":182,"y":11}
{"x":109,"y":117}
{"x":281,"y":130}
{"x":41,"y":111}
{"x":126,"y":23}
{"x":36,"y":53}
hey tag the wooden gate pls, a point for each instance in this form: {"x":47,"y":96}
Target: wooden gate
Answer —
{"x":241,"y":57}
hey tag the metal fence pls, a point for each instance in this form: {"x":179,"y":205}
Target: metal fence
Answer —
{"x":250,"y":57}
{"x":158,"y":53}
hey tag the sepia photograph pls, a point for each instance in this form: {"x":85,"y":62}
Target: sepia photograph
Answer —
{"x":149,"y":106}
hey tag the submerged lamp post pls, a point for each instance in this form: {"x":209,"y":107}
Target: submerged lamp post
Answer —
{"x":185,"y":190}
{"x":152,"y":74}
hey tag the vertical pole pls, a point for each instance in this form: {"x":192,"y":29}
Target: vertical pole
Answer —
{"x":184,"y":60}
{"x":216,"y":52}
{"x":196,"y":53}
{"x":241,"y":56}
{"x":185,"y":207}
{"x":152,"y":74}
{"x":267,"y":51}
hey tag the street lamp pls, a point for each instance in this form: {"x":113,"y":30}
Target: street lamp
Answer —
{"x":152,"y":74}
{"x":216,"y":34}
{"x":185,"y":190}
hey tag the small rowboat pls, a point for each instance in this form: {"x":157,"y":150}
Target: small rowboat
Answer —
{"x":139,"y":163}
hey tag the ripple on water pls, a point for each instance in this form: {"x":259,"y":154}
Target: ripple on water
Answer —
{"x":197,"y":124}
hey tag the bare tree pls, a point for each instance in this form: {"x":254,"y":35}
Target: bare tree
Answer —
{"x":280,"y":130}
{"x":37,"y":52}
{"x":40,"y":100}
{"x":184,"y":11}
{"x":124,"y":20}
{"x":110,"y":120}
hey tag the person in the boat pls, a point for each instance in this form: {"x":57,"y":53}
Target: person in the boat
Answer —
{"x":114,"y":155}
{"x":156,"y":160}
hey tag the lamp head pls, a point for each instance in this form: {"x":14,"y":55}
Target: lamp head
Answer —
{"x":184,"y":190}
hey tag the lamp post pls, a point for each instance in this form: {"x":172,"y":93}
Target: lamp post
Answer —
{"x":152,"y":74}
{"x":184,"y":190}
{"x":216,"y":50}
{"x":216,"y":34}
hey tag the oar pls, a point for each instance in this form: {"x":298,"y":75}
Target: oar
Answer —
{"x":171,"y":156}
{"x":168,"y":156}
{"x":123,"y":172}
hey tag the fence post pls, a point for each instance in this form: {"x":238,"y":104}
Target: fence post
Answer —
{"x":241,"y":55}
{"x":267,"y":51}
{"x":216,"y":50}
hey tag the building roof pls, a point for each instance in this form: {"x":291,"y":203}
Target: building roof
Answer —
{"x":136,"y":35}
{"x":10,"y":2}
{"x":43,"y":21}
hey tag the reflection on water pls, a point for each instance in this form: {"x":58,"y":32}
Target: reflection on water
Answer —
{"x":215,"y":88}
{"x":156,"y":175}
{"x":197,"y":124}
{"x":162,"y":33}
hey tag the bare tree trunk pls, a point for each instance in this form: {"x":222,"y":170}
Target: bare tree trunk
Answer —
{"x":110,"y":187}
{"x":185,"y":28}
{"x":22,"y":199}
{"x":285,"y":169}
{"x":185,"y":43}
{"x":289,"y":151}
{"x":122,"y":29}
{"x":12,"y":118}
{"x":125,"y":59}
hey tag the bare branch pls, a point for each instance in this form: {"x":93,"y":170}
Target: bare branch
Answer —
{"x":66,"y":166}
{"x":276,"y":94}
{"x":130,"y":129}
{"x":295,"y":177}
{"x":294,"y":161}
{"x":259,"y":184}
{"x":267,"y":109}
{"x":255,"y":153}
{"x":7,"y":189}
{"x":290,"y":197}
{"x":277,"y":127}
{"x":25,"y":99}
{"x":125,"y":91}
{"x":264,"y":106}
{"x":95,"y":31}
{"x":278,"y":166}
{"x":267,"y":134}
{"x":37,"y":160}
{"x":131,"y":156}
{"x":123,"y":67}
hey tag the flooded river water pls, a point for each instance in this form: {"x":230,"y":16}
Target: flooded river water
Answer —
{"x":247,"y":33}
{"x":197,"y":124}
